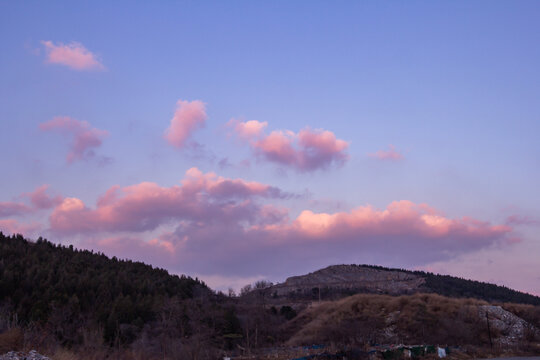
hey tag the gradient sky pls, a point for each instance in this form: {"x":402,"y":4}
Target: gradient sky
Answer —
{"x":240,"y":140}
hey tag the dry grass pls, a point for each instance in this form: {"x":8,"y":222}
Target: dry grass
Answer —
{"x":63,"y":354}
{"x":364,"y":318}
{"x":528,"y":313}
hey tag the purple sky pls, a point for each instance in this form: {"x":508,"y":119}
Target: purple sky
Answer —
{"x":238,"y":141}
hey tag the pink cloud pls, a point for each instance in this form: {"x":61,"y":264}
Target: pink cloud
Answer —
{"x":207,"y":223}
{"x":248,"y":129}
{"x":403,"y":234}
{"x":207,"y":207}
{"x":73,"y":55}
{"x":41,"y":200}
{"x":84,"y":138}
{"x":145,"y":206}
{"x":320,"y":148}
{"x":10,"y":208}
{"x":38,"y":198}
{"x":278,"y":147}
{"x":305,"y":151}
{"x":12,"y":226}
{"x":189,"y":116}
{"x":400,"y":218}
{"x":391,"y":154}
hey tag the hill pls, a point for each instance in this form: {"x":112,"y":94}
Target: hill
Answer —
{"x":38,"y":277}
{"x":414,"y":319}
{"x":77,"y":304}
{"x":61,"y":296}
{"x":338,"y":281}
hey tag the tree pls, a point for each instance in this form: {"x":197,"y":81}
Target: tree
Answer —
{"x":245,"y":290}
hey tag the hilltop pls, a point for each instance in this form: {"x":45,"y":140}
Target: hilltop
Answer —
{"x":338,"y":281}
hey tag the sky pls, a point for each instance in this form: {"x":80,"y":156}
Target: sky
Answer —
{"x":239,"y":141}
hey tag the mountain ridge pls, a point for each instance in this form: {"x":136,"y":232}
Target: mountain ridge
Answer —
{"x":338,"y":281}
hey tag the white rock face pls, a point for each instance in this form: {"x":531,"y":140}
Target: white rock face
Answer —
{"x":511,"y":327}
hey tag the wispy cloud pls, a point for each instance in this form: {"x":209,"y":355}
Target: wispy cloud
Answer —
{"x":189,"y":116}
{"x":10,"y":208}
{"x":84,"y":138}
{"x":389,"y":155}
{"x":522,"y":220}
{"x":41,"y":200}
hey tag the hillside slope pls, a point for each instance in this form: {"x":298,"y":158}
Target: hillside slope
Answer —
{"x":37,"y":278}
{"x":61,"y":296}
{"x":413,"y":319}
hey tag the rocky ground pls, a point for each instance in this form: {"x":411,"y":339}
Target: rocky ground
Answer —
{"x":19,"y":355}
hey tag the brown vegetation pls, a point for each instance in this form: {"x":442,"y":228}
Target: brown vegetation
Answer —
{"x":413,"y":319}
{"x":11,"y":340}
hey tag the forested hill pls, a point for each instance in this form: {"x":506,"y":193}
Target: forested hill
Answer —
{"x":40,"y":280}
{"x":457,"y":287}
{"x":452,"y":286}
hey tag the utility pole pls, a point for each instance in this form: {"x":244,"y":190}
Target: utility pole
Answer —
{"x":489,"y":331}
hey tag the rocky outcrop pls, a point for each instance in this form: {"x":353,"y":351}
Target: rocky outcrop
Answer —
{"x":350,"y":279}
{"x":512,"y":328}
{"x":19,"y":355}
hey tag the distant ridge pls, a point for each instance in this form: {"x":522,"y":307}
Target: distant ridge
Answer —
{"x":337,"y":281}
